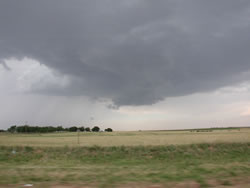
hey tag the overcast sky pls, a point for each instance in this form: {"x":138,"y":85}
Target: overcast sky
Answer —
{"x":125,"y":64}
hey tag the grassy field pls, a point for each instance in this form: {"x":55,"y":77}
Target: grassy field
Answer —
{"x":129,"y":159}
{"x":144,"y":138}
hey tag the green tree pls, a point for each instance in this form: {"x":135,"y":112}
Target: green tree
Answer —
{"x":59,"y":128}
{"x":108,"y":130}
{"x":73,"y":129}
{"x":95,"y":129}
{"x":12,"y":129}
{"x":81,"y":129}
{"x":87,"y":129}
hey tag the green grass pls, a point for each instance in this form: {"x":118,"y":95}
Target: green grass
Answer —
{"x":112,"y":166}
{"x":125,"y":158}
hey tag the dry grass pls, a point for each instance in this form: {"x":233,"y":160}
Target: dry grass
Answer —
{"x":126,"y":138}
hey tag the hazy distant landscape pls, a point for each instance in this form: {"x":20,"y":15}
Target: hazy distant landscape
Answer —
{"x":186,"y":158}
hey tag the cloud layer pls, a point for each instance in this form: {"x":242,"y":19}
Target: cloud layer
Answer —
{"x":132,"y":52}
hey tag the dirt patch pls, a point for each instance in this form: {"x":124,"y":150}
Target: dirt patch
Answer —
{"x":240,"y":182}
{"x":47,"y":186}
{"x":234,"y":186}
{"x":188,"y":184}
{"x":140,"y":185}
{"x":68,"y":186}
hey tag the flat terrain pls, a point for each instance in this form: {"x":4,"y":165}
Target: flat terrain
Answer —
{"x":220,"y":158}
{"x":134,"y":138}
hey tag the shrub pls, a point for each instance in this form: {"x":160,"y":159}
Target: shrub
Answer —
{"x":81,"y":129}
{"x":73,"y":129}
{"x":108,"y":130}
{"x":87,"y":129}
{"x":95,"y":129}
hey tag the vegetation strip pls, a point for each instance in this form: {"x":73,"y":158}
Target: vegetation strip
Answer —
{"x":108,"y":166}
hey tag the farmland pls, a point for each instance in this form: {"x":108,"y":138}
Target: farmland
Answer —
{"x":126,"y":159}
{"x":133,"y":138}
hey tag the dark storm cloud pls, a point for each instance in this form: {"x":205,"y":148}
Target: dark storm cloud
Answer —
{"x":133,"y":52}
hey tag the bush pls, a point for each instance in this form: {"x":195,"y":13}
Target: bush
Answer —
{"x":73,"y":129}
{"x":87,"y":129}
{"x":12,"y":129}
{"x":82,"y":129}
{"x":95,"y":129}
{"x":108,"y":130}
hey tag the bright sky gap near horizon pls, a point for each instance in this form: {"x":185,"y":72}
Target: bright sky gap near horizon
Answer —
{"x":125,"y":64}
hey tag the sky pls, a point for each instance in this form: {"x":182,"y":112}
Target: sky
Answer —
{"x":125,"y":64}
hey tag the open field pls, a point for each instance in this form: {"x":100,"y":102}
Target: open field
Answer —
{"x":127,"y":138}
{"x":130,"y":159}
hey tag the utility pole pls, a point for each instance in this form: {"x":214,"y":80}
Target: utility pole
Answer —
{"x":78,"y":136}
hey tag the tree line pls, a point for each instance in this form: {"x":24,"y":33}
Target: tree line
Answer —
{"x":49,"y":129}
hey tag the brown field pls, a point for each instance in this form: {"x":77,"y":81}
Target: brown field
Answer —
{"x":134,"y":138}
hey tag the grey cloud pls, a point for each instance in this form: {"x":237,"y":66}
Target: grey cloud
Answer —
{"x":5,"y":66}
{"x":132,"y":52}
